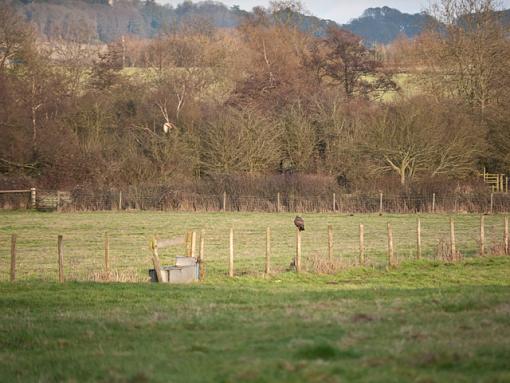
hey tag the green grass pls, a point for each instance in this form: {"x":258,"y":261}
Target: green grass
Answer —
{"x":421,"y":322}
{"x":130,"y":233}
{"x":424,"y":321}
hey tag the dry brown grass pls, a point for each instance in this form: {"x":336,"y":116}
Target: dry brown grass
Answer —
{"x":125,"y":276}
{"x":319,"y":264}
{"x":498,"y":249}
{"x":444,"y":252}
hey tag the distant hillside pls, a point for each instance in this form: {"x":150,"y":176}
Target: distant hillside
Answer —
{"x":383,"y":25}
{"x":108,"y":20}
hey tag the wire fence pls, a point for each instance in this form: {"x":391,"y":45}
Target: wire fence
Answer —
{"x":130,"y":233}
{"x":172,"y":200}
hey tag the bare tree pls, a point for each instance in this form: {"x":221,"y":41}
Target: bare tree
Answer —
{"x":75,"y":52}
{"x":299,"y":140}
{"x":240,"y":141}
{"x":274,"y":70}
{"x":409,"y":140}
{"x":342,"y":58}
{"x":467,"y":51}
{"x":15,"y":35}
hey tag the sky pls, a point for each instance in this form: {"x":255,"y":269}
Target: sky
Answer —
{"x":339,"y":10}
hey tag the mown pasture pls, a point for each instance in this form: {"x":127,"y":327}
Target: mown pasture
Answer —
{"x":130,"y":233}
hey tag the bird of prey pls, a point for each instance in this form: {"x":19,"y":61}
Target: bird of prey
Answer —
{"x":300,"y":223}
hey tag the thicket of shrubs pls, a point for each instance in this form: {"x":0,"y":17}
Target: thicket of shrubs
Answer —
{"x":263,"y":109}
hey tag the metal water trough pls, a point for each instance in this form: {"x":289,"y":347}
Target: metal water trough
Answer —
{"x":186,"y":270}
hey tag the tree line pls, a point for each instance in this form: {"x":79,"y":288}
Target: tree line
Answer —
{"x":197,"y":105}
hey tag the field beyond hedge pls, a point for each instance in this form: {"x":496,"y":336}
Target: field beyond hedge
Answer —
{"x":130,"y":232}
{"x":422,"y":321}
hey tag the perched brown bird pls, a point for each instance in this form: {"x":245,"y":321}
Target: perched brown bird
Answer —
{"x":300,"y":223}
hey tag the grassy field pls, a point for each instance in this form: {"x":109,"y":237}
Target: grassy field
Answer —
{"x":130,"y":233}
{"x":423,"y":322}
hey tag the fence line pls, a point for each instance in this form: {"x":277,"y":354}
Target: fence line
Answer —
{"x":275,"y":254}
{"x":173,"y":200}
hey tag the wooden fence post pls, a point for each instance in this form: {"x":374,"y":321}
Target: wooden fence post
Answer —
{"x":361,"y":244}
{"x":492,"y":203}
{"x":482,"y":235}
{"x":231,"y":256}
{"x":298,"y":251}
{"x":334,"y":202}
{"x":452,"y":240}
{"x":418,"y":239}
{"x":155,"y":260}
{"x":60,"y":259}
{"x":193,"y":243}
{"x":201,"y":255}
{"x":507,"y":249}
{"x":330,"y":243}
{"x":380,"y":203}
{"x":224,"y":201}
{"x":33,"y":197}
{"x":268,"y":251}
{"x":13,"y":257}
{"x":278,"y":203}
{"x":107,"y":255}
{"x":120,"y":199}
{"x":189,"y":240}
{"x":391,"y":252}
{"x":433,"y":202}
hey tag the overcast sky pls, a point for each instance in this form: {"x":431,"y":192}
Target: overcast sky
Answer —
{"x":339,"y":10}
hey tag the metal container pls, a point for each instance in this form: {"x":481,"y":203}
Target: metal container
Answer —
{"x":183,"y":274}
{"x":177,"y":274}
{"x":185,"y":261}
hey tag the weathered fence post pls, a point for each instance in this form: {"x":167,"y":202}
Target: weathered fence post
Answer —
{"x":193,"y":243}
{"x":155,"y":260}
{"x":201,"y":255}
{"x":13,"y":257}
{"x":433,"y":202}
{"x":278,"y":203}
{"x":107,"y":255}
{"x":298,"y":251}
{"x":33,"y":198}
{"x":418,"y":239}
{"x":507,"y":250}
{"x":120,"y":199}
{"x":60,"y":259}
{"x":231,"y":255}
{"x":224,"y":201}
{"x":268,"y":251}
{"x":380,"y":203}
{"x":482,"y":235}
{"x":334,"y":202}
{"x":492,"y":203}
{"x":330,"y":243}
{"x":452,"y":240}
{"x":391,"y":252}
{"x":361,"y":244}
{"x":189,"y":240}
